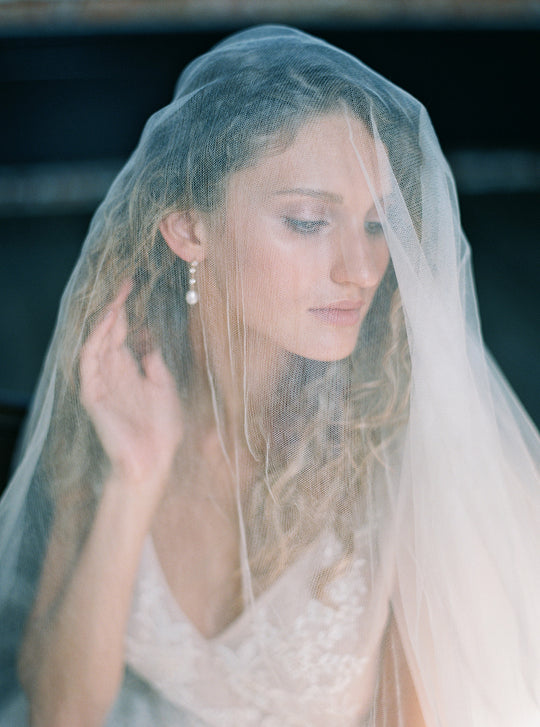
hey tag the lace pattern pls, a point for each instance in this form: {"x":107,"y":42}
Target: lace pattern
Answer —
{"x":289,"y":660}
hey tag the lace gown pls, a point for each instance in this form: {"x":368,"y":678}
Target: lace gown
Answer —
{"x":289,"y":660}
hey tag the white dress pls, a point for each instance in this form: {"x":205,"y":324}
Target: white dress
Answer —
{"x":289,"y":660}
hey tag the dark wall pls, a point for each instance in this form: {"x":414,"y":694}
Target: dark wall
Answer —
{"x":87,"y":96}
{"x":80,"y":97}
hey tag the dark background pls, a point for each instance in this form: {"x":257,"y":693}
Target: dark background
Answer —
{"x":75,"y":97}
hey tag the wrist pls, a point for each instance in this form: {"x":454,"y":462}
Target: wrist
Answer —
{"x":127,"y":506}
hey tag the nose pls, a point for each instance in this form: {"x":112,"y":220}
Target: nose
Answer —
{"x":358,"y":258}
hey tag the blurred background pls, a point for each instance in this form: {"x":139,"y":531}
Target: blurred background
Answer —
{"x":78,"y":79}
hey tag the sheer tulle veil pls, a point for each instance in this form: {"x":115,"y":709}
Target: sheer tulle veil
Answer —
{"x":379,"y":475}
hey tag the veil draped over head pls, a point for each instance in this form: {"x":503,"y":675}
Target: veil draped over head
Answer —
{"x":347,"y":517}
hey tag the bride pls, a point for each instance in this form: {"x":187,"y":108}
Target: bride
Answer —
{"x":272,"y":476}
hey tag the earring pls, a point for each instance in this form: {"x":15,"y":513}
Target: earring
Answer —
{"x":192,"y":296}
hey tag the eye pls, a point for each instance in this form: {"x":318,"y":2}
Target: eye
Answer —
{"x":373,"y":228}
{"x":305,"y":227}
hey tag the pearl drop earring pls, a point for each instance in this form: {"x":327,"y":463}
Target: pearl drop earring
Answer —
{"x":192,"y":296}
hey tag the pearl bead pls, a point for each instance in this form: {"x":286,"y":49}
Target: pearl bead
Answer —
{"x":192,"y":297}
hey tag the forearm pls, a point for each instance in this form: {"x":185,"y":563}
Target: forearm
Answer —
{"x":76,"y":655}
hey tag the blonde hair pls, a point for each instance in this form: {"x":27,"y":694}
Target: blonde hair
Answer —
{"x":346,"y":433}
{"x":353,"y":415}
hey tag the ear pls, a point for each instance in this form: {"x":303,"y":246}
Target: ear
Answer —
{"x":184,"y":234}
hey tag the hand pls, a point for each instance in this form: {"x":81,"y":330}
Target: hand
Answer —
{"x":137,"y":414}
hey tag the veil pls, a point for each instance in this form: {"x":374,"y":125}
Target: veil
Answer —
{"x":323,"y":505}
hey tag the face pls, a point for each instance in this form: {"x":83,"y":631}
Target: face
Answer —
{"x":302,"y":250}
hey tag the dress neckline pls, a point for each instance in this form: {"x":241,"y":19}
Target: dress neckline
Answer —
{"x":240,"y":622}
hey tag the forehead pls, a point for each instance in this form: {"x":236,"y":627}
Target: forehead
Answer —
{"x":335,"y":152}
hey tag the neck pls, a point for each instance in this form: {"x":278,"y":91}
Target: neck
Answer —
{"x":235,"y":377}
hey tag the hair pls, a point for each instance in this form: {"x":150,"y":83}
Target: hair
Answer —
{"x":232,"y":106}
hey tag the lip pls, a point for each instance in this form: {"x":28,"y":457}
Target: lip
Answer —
{"x":340,"y":312}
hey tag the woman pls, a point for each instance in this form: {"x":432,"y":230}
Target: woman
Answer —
{"x":271,"y":475}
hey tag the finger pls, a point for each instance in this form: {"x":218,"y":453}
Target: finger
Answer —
{"x":99,"y":333}
{"x":97,"y":348}
{"x":113,"y":330}
{"x":118,"y":331}
{"x":112,"y":377}
{"x":100,"y":338}
{"x":103,"y":327}
{"x":123,"y":292}
{"x":93,"y":379}
{"x":120,"y":366}
{"x":155,"y":368}
{"x":92,"y":348}
{"x":120,"y":328}
{"x":89,"y":372}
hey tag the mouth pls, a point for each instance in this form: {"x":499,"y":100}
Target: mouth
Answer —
{"x":339,"y":313}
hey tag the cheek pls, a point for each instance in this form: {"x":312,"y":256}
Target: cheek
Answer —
{"x":270,"y":272}
{"x":272,"y":283}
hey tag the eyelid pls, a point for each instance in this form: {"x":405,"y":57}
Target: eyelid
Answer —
{"x":308,"y":208}
{"x":373,"y":212}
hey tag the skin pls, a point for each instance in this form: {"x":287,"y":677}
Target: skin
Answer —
{"x":301,"y":232}
{"x":306,"y":219}
{"x":300,"y":251}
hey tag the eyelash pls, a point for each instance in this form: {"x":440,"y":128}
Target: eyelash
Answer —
{"x":305,"y":227}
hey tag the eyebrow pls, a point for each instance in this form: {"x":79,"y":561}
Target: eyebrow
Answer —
{"x":317,"y":193}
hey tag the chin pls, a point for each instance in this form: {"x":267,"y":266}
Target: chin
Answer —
{"x":329,"y":353}
{"x":330,"y":359}
{"x":325,"y":348}
{"x":338,"y":350}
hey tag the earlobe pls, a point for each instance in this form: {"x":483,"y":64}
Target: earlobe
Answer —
{"x":182,"y":234}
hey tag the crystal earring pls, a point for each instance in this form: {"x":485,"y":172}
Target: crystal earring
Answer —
{"x":192,"y":296}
